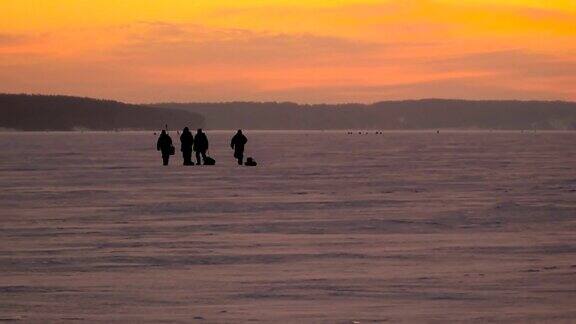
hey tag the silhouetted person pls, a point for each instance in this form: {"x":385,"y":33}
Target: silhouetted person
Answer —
{"x":237,"y":144}
{"x":200,"y":146}
{"x":164,"y":145}
{"x":186,"y":143}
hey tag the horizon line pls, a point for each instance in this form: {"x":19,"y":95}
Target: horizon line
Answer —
{"x":285,"y":102}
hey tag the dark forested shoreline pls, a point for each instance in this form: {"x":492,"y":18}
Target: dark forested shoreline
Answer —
{"x":391,"y":115}
{"x":65,"y":113}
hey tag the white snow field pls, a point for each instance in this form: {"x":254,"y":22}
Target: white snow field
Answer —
{"x":329,"y":228}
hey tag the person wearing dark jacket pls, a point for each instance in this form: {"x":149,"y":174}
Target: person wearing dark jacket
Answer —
{"x":164,"y":145}
{"x":237,"y":144}
{"x":186,"y":143}
{"x":200,"y":146}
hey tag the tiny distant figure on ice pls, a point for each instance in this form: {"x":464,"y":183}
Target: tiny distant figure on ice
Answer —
{"x":186,"y":144}
{"x":238,"y":143}
{"x":201,"y":147}
{"x":164,"y":145}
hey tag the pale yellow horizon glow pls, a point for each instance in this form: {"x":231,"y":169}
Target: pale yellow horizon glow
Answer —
{"x":289,"y":50}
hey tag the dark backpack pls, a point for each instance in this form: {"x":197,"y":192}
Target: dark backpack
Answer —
{"x":209,"y":161}
{"x":250,"y":162}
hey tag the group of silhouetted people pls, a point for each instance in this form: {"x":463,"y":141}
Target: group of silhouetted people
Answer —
{"x":199,"y":144}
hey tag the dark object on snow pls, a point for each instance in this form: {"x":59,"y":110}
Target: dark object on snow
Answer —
{"x":250,"y":162}
{"x":209,"y":161}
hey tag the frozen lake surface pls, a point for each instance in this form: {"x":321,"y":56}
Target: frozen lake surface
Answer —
{"x":330,"y":228}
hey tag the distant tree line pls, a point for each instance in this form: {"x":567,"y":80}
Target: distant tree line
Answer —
{"x":64,"y":113}
{"x":393,"y":115}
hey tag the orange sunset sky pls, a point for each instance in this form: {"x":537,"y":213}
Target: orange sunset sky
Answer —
{"x":306,"y":51}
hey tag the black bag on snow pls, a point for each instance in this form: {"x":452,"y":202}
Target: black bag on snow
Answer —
{"x":250,"y":162}
{"x":209,"y":161}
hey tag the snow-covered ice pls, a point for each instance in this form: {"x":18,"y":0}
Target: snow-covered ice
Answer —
{"x":329,"y":228}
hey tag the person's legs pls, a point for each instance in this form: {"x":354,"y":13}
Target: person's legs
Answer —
{"x":240,"y":157}
{"x":204,"y":156}
{"x":165,"y":159}
{"x":198,"y":161}
{"x":187,"y":155}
